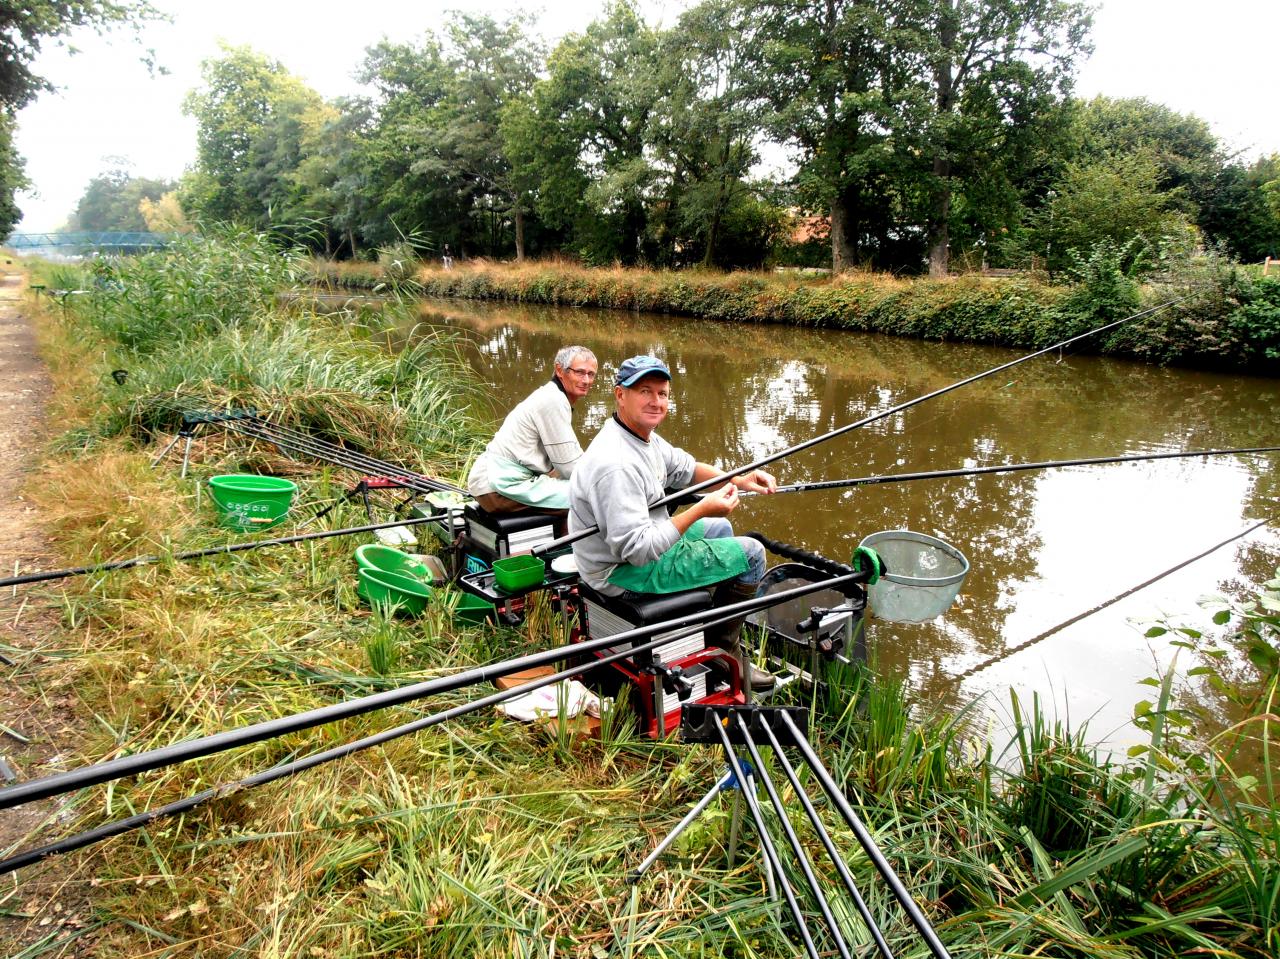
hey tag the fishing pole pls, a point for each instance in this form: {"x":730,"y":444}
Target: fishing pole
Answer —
{"x":865,"y":840}
{"x":120,"y":826}
{"x":310,"y":445}
{"x":176,"y":753}
{"x":213,"y":551}
{"x":766,"y":843}
{"x":987,"y":663}
{"x":842,"y":868}
{"x":286,"y":437}
{"x":1008,"y":468}
{"x":573,"y":537}
{"x":797,"y":848}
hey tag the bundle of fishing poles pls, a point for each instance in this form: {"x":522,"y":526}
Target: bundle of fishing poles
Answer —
{"x":728,"y":727}
{"x":190,"y":412}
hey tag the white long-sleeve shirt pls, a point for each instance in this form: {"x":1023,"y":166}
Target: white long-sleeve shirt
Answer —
{"x":537,"y":434}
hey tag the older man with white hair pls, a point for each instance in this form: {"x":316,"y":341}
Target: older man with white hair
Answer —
{"x":528,"y":462}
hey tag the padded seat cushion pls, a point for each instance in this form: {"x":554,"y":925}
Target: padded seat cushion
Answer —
{"x":650,"y":609}
{"x":510,"y":522}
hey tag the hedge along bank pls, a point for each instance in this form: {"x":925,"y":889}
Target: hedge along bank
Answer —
{"x":1226,"y":319}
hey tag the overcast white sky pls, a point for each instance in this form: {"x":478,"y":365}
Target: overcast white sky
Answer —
{"x":1213,"y":59}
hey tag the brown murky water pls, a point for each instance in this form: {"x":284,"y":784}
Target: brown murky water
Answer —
{"x":1044,"y":546}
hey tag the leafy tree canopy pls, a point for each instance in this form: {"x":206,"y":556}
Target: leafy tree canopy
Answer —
{"x":24,"y":27}
{"x":113,"y":202}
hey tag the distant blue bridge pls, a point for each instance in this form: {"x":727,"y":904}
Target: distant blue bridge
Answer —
{"x":88,"y":241}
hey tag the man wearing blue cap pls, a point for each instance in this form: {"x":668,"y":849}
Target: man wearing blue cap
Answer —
{"x":647,"y":550}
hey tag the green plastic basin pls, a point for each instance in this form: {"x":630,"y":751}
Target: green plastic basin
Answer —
{"x":403,"y":593}
{"x":472,"y":609}
{"x":246,"y":501}
{"x":391,"y":560}
{"x":518,"y":572}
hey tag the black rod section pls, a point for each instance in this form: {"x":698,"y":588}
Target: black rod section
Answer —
{"x":766,"y":843}
{"x":120,"y":826}
{"x":1011,"y":468}
{"x":865,"y":421}
{"x":286,"y":440}
{"x":789,"y":831}
{"x":212,"y":551}
{"x":74,"y":779}
{"x":829,"y":844}
{"x":256,"y":427}
{"x":918,"y":918}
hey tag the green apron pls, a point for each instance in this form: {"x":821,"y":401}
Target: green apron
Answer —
{"x":691,"y":563}
{"x":514,"y":481}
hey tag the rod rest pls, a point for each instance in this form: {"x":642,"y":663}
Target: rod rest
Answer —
{"x":815,"y":560}
{"x":698,"y":722}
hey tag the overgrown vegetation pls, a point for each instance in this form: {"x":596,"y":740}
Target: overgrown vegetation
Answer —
{"x":484,"y":837}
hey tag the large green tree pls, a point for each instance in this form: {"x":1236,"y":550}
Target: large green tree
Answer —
{"x":251,"y":118}
{"x":703,"y":131}
{"x":993,"y":67}
{"x":410,"y":83}
{"x":491,"y":65}
{"x":895,"y":107}
{"x":1241,"y":210}
{"x":1116,"y":199}
{"x":596,"y":104}
{"x":113,"y":201}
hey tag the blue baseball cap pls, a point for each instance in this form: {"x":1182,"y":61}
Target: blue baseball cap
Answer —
{"x":635,"y":368}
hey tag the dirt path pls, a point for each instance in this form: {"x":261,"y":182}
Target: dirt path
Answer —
{"x":35,"y":704}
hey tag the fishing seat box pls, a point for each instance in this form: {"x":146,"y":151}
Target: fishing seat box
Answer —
{"x":608,"y":615}
{"x":490,"y":536}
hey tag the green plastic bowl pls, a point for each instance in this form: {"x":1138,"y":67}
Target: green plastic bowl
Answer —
{"x":404,"y":593}
{"x":391,"y":560}
{"x":472,"y":610}
{"x":518,"y":572}
{"x":246,"y":501}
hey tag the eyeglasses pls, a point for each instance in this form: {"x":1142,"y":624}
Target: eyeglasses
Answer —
{"x":584,"y":374}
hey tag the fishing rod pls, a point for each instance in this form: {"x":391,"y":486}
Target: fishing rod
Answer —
{"x":1009,"y":468}
{"x":176,"y":753}
{"x":564,"y":541}
{"x":796,"y":736}
{"x":213,"y":551}
{"x":1040,"y":637}
{"x":120,"y":826}
{"x":767,"y":846}
{"x":863,"y":835}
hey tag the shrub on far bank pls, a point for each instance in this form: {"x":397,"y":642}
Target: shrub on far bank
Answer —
{"x":1220,"y":316}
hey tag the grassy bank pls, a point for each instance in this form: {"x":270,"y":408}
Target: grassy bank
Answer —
{"x":1224,"y":316}
{"x":484,"y":837}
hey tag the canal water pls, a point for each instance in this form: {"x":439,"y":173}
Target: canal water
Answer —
{"x":1044,"y":546}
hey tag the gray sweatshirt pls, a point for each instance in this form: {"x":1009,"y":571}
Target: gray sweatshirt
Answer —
{"x":612,"y":485}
